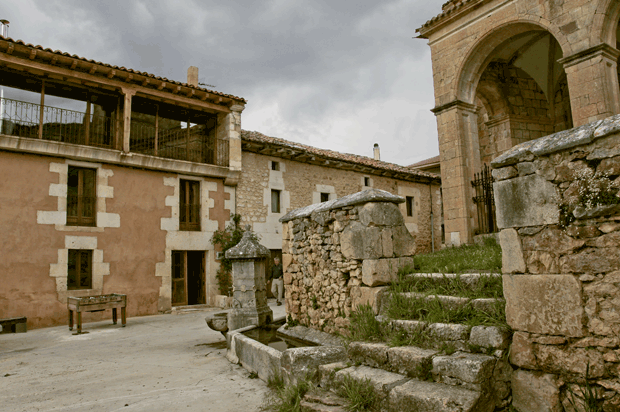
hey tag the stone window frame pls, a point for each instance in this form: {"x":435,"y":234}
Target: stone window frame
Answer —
{"x":58,"y":217}
{"x":60,"y":269}
{"x":321,"y":189}
{"x":409,"y":205}
{"x":273,"y":165}
{"x":367,"y":182}
{"x":78,"y":266}
{"x":189,"y":225}
{"x":80,"y":219}
{"x":278,"y":203}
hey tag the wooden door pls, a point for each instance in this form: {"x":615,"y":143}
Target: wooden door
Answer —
{"x":179,"y":295}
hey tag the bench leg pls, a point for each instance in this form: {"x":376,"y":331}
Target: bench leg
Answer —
{"x":70,"y":320}
{"x":124,"y":315}
{"x":79,"y":322}
{"x":114,"y":317}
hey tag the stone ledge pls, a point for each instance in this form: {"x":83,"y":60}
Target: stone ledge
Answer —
{"x":371,"y":195}
{"x":117,"y":157}
{"x":559,"y":141}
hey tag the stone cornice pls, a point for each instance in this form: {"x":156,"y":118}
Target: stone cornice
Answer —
{"x":455,"y":104}
{"x":603,"y":49}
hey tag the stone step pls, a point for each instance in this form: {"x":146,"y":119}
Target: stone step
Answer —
{"x":421,"y":396}
{"x":462,"y":368}
{"x":462,"y":337}
{"x":410,"y":361}
{"x":403,"y":394}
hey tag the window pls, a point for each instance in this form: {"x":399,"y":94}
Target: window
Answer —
{"x":324,"y":197}
{"x":275,"y":165}
{"x":409,"y":203}
{"x":367,"y":181}
{"x":189,"y":205}
{"x":80,"y":269}
{"x":81,"y":196}
{"x":275,"y":201}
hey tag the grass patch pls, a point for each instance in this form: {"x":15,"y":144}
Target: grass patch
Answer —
{"x":287,"y":398}
{"x":434,"y":311}
{"x":485,"y":287}
{"x":365,"y":327}
{"x":360,"y":394}
{"x":461,"y":259}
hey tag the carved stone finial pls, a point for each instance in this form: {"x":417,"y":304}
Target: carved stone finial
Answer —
{"x":248,"y":247}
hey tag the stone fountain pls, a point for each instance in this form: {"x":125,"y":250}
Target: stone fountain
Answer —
{"x":249,"y":287}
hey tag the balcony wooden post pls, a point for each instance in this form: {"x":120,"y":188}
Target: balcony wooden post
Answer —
{"x":41,"y":109}
{"x":127,"y":118}
{"x":156,"y":127}
{"x":87,"y":121}
{"x":187,"y":139}
{"x":117,"y":124}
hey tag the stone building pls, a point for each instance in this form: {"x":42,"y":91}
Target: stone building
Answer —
{"x":506,"y":72}
{"x":113,"y":181}
{"x":278,"y":176}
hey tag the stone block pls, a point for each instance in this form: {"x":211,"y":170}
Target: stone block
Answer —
{"x":298,"y":363}
{"x":552,"y":239}
{"x":525,"y":201}
{"x":410,"y":360}
{"x":489,"y":337}
{"x":370,"y":354}
{"x":403,"y":242}
{"x":380,"y":214}
{"x":465,"y":367}
{"x":368,"y":296}
{"x":591,"y":260}
{"x":360,"y":242}
{"x":546,"y":304}
{"x":386,"y":240}
{"x":435,"y":397}
{"x":449,"y":331}
{"x":538,"y":392}
{"x":327,"y":373}
{"x":287,"y":259}
{"x":522,"y":351}
{"x":382,"y":381}
{"x":377,"y":272}
{"x":512,"y":253}
{"x":504,"y":173}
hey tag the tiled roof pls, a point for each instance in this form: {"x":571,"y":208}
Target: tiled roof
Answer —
{"x":430,"y":160}
{"x":122,"y":68}
{"x":447,"y":9}
{"x":296,"y":149}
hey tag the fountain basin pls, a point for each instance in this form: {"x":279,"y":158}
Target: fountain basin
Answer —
{"x":218,"y":321}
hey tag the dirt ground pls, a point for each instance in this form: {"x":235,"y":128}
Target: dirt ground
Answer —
{"x":156,"y":363}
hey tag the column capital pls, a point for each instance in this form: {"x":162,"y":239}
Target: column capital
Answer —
{"x":455,"y":104}
{"x":128,"y":92}
{"x":604,"y":50}
{"x":237,"y":107}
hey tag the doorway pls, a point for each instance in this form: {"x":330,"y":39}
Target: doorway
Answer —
{"x":188,"y":277}
{"x":275,"y":253}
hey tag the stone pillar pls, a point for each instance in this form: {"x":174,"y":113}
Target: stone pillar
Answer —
{"x":229,"y":128}
{"x":249,"y":286}
{"x":593,"y":83}
{"x":460,"y":159}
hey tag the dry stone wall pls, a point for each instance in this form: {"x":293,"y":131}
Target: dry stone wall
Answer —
{"x":340,"y":254}
{"x":561,"y":263}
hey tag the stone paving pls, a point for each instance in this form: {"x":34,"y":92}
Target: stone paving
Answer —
{"x":156,"y":363}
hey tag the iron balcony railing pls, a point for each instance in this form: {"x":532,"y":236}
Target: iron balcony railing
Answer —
{"x":23,"y":119}
{"x":194,"y":145}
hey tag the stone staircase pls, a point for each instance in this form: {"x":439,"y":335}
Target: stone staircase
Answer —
{"x":459,"y":368}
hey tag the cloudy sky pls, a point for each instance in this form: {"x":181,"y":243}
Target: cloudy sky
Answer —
{"x":335,"y":74}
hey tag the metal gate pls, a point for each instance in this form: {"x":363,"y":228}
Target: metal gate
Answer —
{"x":483,"y":189}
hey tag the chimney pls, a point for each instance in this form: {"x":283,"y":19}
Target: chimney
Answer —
{"x":4,"y":28}
{"x":192,"y":76}
{"x":376,"y":153}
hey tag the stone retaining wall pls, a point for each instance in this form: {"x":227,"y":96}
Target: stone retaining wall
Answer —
{"x":561,"y":265}
{"x":340,"y":254}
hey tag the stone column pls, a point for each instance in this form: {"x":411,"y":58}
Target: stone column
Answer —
{"x":460,"y":158}
{"x":593,"y":83}
{"x":249,"y":286}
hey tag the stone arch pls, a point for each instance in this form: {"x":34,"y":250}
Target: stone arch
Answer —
{"x":481,"y":53}
{"x":605,"y":23}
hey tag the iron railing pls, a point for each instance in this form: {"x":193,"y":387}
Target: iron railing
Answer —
{"x":485,"y":203}
{"x":23,"y":119}
{"x":194,"y":145}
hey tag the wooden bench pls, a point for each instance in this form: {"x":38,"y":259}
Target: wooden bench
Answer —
{"x":96,"y":304}
{"x":13,"y":325}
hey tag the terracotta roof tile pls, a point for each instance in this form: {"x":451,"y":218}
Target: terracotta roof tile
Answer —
{"x":122,"y":68}
{"x":252,"y":136}
{"x":430,"y":160}
{"x":447,"y":9}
